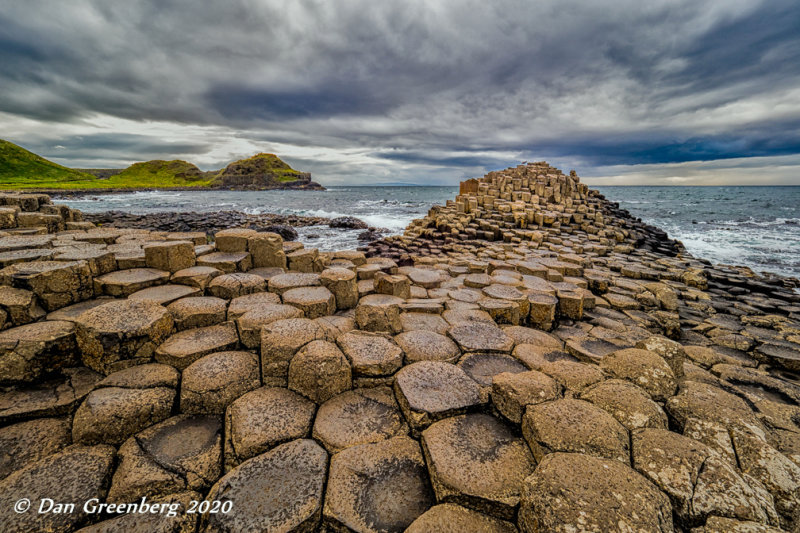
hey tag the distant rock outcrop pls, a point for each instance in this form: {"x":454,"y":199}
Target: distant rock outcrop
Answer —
{"x":263,"y":171}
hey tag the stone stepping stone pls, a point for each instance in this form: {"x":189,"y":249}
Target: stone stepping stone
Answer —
{"x":123,"y":283}
{"x":698,"y":481}
{"x":452,"y":518}
{"x":121,"y":333}
{"x":76,"y":474}
{"x":465,"y":295}
{"x":24,"y":255}
{"x":263,"y":418}
{"x":574,"y":426}
{"x":100,"y":261}
{"x":171,"y":256}
{"x":214,"y":381}
{"x":292,"y":280}
{"x":234,"y":239}
{"x":458,"y":317}
{"x":483,"y":367}
{"x":229,"y":286}
{"x":712,"y":404}
{"x":511,"y":294}
{"x":227,"y":262}
{"x":572,"y":488}
{"x":280,"y":490}
{"x":25,"y":242}
{"x":542,"y":310}
{"x":629,"y":404}
{"x":522,"y":335}
{"x":377,"y":487}
{"x":343,"y":284}
{"x":370,"y":354}
{"x":501,"y":311}
{"x":644,"y":368}
{"x":423,"y":345}
{"x":181,"y":453}
{"x":397,"y":285}
{"x":431,"y":390}
{"x":196,"y":276}
{"x":477,"y":281}
{"x":55,"y":397}
{"x":423,"y":305}
{"x":512,"y":392}
{"x":197,"y":312}
{"x":314,"y":302}
{"x":423,"y":321}
{"x":592,"y":350}
{"x":110,"y":415}
{"x":251,"y":324}
{"x":20,"y":306}
{"x":481,"y":337}
{"x":46,"y":279}
{"x":164,"y":294}
{"x":379,"y":312}
{"x":428,"y":279}
{"x":27,"y":442}
{"x":476,"y":460}
{"x":280,"y":340}
{"x":360,"y":416}
{"x":146,"y":376}
{"x":186,"y":347}
{"x":28,"y":352}
{"x":243,"y":304}
{"x":72,"y":312}
{"x":786,"y":355}
{"x":571,"y":375}
{"x":320,"y":371}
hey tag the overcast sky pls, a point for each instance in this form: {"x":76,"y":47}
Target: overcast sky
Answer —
{"x":429,"y":92}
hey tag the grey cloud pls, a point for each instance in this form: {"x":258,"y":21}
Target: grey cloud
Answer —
{"x":446,"y":88}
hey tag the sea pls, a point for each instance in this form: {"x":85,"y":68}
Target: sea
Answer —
{"x":758,"y":227}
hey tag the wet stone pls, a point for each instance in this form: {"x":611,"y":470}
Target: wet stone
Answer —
{"x":512,"y":392}
{"x":574,"y":426}
{"x":214,"y":381}
{"x":360,"y":416}
{"x":284,"y":485}
{"x":123,"y":283}
{"x":33,"y":350}
{"x":242,"y":304}
{"x":181,"y":453}
{"x":76,"y":474}
{"x":27,"y":442}
{"x":572,"y":488}
{"x":197,"y":312}
{"x":196,"y":276}
{"x":481,"y":337}
{"x":422,"y":345}
{"x":476,"y":461}
{"x":377,"y":487}
{"x":110,"y":415}
{"x":186,"y":347}
{"x":431,"y":390}
{"x":228,"y":286}
{"x":629,"y":404}
{"x":320,"y":371}
{"x":370,"y":354}
{"x":121,"y":333}
{"x":263,"y":418}
{"x":314,"y":302}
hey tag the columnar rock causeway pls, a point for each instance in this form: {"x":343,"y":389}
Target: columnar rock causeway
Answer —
{"x":528,"y":357}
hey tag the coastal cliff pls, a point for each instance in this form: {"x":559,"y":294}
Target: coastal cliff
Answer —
{"x":24,"y":170}
{"x":527,"y":357}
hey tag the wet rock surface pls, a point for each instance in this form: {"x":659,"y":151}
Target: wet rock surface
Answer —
{"x":526,"y":357}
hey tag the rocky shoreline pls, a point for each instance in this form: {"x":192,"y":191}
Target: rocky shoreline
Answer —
{"x":528,"y":357}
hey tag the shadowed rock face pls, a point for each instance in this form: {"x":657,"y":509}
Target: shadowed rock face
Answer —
{"x":527,"y":356}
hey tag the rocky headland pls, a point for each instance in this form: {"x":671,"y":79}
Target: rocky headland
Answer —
{"x":528,"y":357}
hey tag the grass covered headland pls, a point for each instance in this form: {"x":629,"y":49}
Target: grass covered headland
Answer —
{"x":21,"y":169}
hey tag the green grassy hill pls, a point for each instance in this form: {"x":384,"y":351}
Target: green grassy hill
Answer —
{"x":20,"y":169}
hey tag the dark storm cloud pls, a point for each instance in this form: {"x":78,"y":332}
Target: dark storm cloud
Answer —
{"x":460,"y":85}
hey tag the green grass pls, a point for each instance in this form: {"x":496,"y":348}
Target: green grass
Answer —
{"x":21,"y":169}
